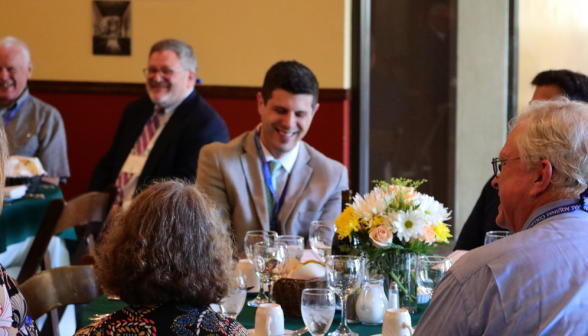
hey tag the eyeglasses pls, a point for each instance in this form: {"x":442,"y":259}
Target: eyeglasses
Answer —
{"x":165,"y":72}
{"x":497,"y":165}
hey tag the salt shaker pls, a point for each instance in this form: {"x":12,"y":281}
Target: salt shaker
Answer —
{"x":393,"y":298}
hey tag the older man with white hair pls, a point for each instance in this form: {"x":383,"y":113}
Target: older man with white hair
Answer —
{"x":33,"y":127}
{"x":533,"y":282}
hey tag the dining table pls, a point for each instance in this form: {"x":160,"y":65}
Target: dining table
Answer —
{"x":21,"y":218}
{"x":103,"y":305}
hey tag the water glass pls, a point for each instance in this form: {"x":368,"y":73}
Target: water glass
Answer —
{"x":430,"y":271}
{"x":492,"y":236}
{"x":318,"y":310}
{"x":295,"y":245}
{"x":232,"y":304}
{"x":270,"y":262}
{"x":321,"y":237}
{"x":251,"y":238}
{"x":344,"y":276}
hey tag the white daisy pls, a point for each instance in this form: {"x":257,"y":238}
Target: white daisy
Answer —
{"x":433,"y":211}
{"x":409,"y":225}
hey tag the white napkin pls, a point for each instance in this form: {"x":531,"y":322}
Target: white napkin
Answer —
{"x":21,"y":166}
{"x":15,"y":192}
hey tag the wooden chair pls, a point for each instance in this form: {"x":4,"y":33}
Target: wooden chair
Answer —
{"x":58,"y":287}
{"x":88,"y":211}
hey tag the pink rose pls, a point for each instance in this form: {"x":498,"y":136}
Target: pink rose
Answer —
{"x":381,"y":236}
{"x":428,"y":234}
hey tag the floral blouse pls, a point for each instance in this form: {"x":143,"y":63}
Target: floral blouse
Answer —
{"x":163,"y":320}
{"x":13,"y":309}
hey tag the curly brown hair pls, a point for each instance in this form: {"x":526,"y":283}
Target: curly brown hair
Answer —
{"x":170,"y":245}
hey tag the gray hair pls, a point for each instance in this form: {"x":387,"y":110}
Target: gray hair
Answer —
{"x":557,"y":131}
{"x":10,"y":41}
{"x":182,"y":50}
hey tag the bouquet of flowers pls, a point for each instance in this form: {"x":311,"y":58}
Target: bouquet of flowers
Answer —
{"x":393,"y":219}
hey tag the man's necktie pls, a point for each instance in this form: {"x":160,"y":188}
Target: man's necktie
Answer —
{"x":274,"y":166}
{"x":140,"y":146}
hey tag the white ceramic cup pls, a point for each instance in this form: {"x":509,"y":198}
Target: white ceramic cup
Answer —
{"x":269,"y":320}
{"x":252,"y":279}
{"x":397,"y":323}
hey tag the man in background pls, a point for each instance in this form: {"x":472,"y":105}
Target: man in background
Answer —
{"x":549,"y":84}
{"x":160,"y":136}
{"x":33,"y":127}
{"x":268,"y":178}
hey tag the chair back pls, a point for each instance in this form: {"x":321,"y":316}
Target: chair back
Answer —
{"x":84,"y":209}
{"x":58,"y":287}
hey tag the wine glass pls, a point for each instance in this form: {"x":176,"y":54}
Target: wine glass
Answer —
{"x":232,"y":304}
{"x":270,"y":262}
{"x":321,"y":237}
{"x":251,"y":238}
{"x":318,"y":310}
{"x":430,"y":271}
{"x":492,"y":236}
{"x":295,"y":245}
{"x":344,"y":276}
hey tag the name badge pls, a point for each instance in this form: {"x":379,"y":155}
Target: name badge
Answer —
{"x":134,"y":164}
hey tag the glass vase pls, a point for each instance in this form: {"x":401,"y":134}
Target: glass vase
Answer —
{"x":404,"y":273}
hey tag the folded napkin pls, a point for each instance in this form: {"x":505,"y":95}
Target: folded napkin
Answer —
{"x":21,"y":166}
{"x":15,"y":192}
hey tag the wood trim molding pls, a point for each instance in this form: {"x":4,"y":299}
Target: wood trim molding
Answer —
{"x":207,"y":91}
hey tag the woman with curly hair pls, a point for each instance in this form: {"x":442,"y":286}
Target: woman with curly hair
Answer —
{"x":169,"y":256}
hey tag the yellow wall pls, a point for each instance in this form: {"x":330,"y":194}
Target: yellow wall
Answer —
{"x":235,"y":41}
{"x":552,"y":35}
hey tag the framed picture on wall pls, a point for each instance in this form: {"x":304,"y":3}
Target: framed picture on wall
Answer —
{"x":112,"y":27}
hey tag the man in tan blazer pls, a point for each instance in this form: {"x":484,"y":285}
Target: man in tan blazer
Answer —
{"x":268,"y":178}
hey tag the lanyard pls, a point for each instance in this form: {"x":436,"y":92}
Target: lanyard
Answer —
{"x":557,"y":211}
{"x":14,"y":111}
{"x":278,"y":202}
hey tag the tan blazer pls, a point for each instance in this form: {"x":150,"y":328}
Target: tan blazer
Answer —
{"x":231,"y":174}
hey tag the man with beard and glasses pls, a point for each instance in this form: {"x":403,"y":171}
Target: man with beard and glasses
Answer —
{"x":33,"y":127}
{"x":160,"y":136}
{"x":268,"y":178}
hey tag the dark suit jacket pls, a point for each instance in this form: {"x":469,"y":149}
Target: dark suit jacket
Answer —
{"x":481,"y":220}
{"x":193,"y":124}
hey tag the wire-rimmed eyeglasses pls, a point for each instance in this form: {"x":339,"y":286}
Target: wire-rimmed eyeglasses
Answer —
{"x":497,"y":164}
{"x":165,"y":72}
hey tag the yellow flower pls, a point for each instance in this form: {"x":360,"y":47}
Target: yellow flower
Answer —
{"x":377,"y":221}
{"x":442,"y":232}
{"x":346,"y":223}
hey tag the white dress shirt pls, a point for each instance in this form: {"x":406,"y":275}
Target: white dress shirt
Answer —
{"x":287,"y":161}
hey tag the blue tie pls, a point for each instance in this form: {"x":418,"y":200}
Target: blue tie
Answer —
{"x":274,"y":166}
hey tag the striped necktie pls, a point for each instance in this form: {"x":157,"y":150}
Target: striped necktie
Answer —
{"x":274,"y":166}
{"x":141,"y":144}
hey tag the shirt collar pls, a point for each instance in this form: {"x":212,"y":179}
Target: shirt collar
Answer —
{"x":547,"y":208}
{"x":24,"y":95}
{"x":173,"y":107}
{"x":287,"y":160}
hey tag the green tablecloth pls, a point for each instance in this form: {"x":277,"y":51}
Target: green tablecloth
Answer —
{"x":247,"y":317}
{"x":22,"y":218}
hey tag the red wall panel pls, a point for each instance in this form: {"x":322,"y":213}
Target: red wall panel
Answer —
{"x":91,"y":121}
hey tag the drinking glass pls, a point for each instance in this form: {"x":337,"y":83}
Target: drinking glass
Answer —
{"x":295,"y":245}
{"x":251,"y":238}
{"x":321,"y":237}
{"x":232,"y":304}
{"x":344,"y":276}
{"x":318,"y":310}
{"x":270,"y":262}
{"x":492,"y":236}
{"x":430,"y":271}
